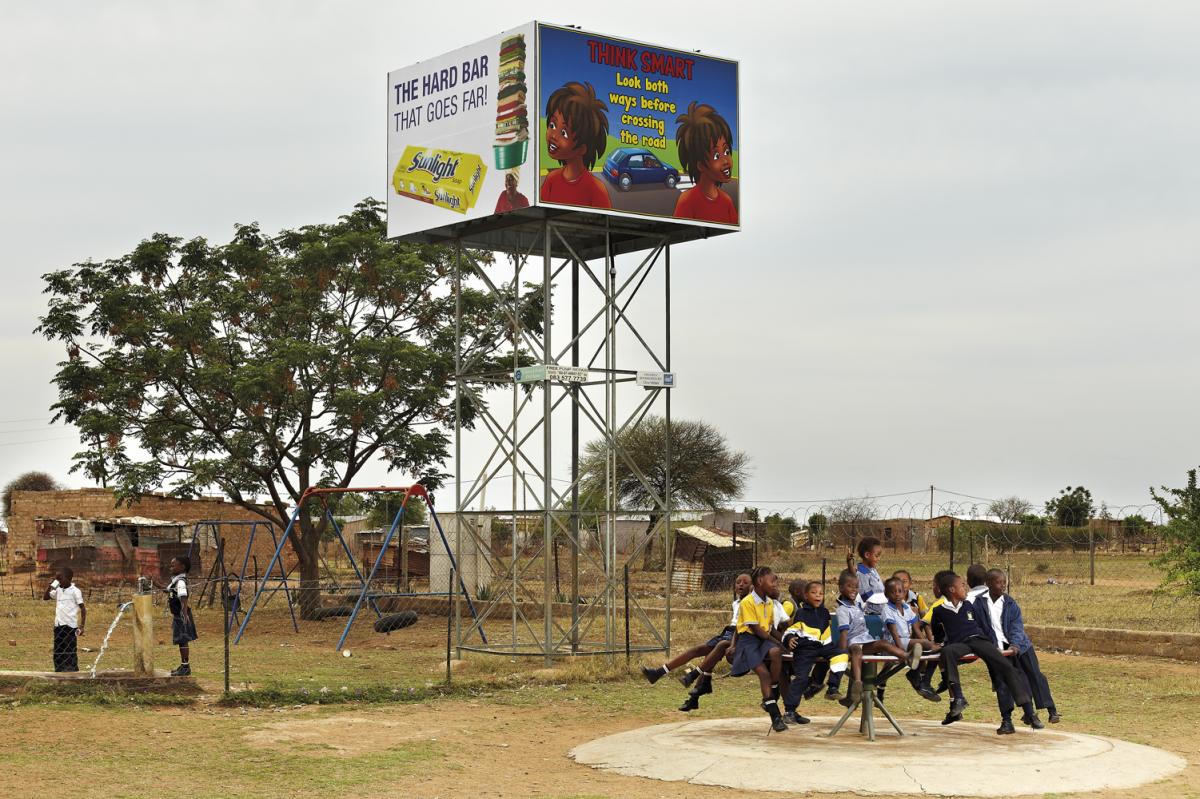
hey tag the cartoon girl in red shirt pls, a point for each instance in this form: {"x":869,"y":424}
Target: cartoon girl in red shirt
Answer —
{"x":705,"y":145}
{"x":576,"y":135}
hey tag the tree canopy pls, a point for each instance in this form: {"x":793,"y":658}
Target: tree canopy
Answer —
{"x":1181,"y":534}
{"x":705,"y":471}
{"x":266,"y":365}
{"x":1072,"y":507}
{"x":30,"y":481}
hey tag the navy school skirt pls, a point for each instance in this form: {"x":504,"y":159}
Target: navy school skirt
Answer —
{"x":726,"y":635}
{"x":751,"y":651}
{"x":183,"y":628}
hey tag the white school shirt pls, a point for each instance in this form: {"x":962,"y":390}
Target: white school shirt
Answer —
{"x":995,"y":609}
{"x":781,"y":615}
{"x":736,"y":604}
{"x":976,"y":592}
{"x":66,"y":605}
{"x":179,"y":583}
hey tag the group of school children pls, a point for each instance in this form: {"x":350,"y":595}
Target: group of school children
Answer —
{"x":797,"y":646}
{"x":70,"y":614}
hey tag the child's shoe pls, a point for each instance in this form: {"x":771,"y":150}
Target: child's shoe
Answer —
{"x":1054,"y":717}
{"x":1032,"y":720}
{"x":689,"y":677}
{"x":957,"y":706}
{"x":926,"y":691}
{"x":772,"y":708}
{"x":704,"y":686}
{"x":690,"y":704}
{"x":1006,"y":727}
{"x":831,"y":693}
{"x":794,"y":717}
{"x":184,"y":670}
{"x":653,"y":675}
{"x":812,"y":690}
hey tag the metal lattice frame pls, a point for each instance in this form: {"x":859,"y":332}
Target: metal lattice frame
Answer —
{"x":568,"y":252}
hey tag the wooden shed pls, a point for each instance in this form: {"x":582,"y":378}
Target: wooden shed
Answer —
{"x":708,"y":560}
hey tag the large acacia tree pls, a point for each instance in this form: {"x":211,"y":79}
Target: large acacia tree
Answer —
{"x":705,"y":471}
{"x":266,"y":365}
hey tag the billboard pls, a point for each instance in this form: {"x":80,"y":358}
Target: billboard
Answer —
{"x":636,"y":129}
{"x":542,"y":115}
{"x":459,"y":134}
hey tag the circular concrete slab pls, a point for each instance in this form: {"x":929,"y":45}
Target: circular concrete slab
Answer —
{"x":959,"y":760}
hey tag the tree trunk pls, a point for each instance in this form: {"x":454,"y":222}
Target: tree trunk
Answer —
{"x":648,"y":553}
{"x":309,"y":595}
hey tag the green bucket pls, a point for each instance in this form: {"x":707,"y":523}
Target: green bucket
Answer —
{"x":512,"y":154}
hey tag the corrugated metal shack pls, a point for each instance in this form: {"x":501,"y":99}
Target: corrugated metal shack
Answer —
{"x":392,"y":566}
{"x":708,"y":560}
{"x":111,"y":551}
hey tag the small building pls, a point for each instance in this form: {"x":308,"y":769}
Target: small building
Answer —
{"x":394,"y":564}
{"x":708,"y":560}
{"x":111,"y":551}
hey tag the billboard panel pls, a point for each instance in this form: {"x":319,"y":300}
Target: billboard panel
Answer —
{"x":459,"y":134}
{"x":557,"y":117}
{"x":635,"y":129}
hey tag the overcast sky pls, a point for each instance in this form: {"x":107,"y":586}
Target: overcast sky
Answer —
{"x":971,"y":231}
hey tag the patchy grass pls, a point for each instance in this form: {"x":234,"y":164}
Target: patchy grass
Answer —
{"x":502,"y":737}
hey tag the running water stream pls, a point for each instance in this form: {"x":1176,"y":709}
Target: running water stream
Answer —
{"x":104,"y":644}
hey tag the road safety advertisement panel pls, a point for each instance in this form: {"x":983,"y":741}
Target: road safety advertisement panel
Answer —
{"x":636,"y":129}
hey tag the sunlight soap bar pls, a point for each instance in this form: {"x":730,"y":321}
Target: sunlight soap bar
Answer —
{"x":444,"y":178}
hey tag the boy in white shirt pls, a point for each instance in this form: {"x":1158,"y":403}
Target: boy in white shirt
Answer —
{"x":69,"y":618}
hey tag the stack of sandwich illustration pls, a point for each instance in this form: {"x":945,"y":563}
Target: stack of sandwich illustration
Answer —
{"x":512,"y":118}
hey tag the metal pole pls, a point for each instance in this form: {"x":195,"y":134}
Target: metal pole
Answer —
{"x":547,"y":452}
{"x":668,"y":533}
{"x":951,"y":543}
{"x":574,"y":459}
{"x":822,"y":571}
{"x":450,"y":603}
{"x":1091,"y":553}
{"x":458,"y":469}
{"x":627,"y":652}
{"x":225,"y":606}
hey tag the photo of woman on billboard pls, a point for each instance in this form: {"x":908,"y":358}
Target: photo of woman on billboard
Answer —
{"x":576,"y":136}
{"x":705,"y":145}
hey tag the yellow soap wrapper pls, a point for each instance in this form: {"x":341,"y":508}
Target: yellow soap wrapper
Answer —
{"x":442,"y":177}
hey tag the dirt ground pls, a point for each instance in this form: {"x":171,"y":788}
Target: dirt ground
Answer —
{"x":501,"y":741}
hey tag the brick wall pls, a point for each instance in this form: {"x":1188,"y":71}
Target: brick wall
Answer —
{"x":99,"y":503}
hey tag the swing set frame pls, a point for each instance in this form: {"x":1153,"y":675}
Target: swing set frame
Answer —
{"x":365,"y":594}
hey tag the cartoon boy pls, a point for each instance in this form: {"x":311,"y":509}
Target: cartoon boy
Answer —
{"x":705,"y":145}
{"x":576,"y":135}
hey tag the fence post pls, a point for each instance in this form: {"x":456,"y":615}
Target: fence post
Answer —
{"x":449,"y":620}
{"x":822,"y":571}
{"x":627,"y":652}
{"x":1092,"y":554}
{"x":951,"y":543}
{"x":225,"y":613}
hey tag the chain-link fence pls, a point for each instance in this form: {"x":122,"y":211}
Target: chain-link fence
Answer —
{"x":402,"y":633}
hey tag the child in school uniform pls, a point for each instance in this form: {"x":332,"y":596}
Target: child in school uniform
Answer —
{"x":870,"y":583}
{"x":1001,"y":616}
{"x":809,"y":638}
{"x":963,"y":634}
{"x":906,"y":630}
{"x":926,"y":689}
{"x":699,"y":680}
{"x":69,"y":618}
{"x":976,"y":579}
{"x":183,"y":626}
{"x":756,"y":649}
{"x":912,"y":597}
{"x":856,"y":640}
